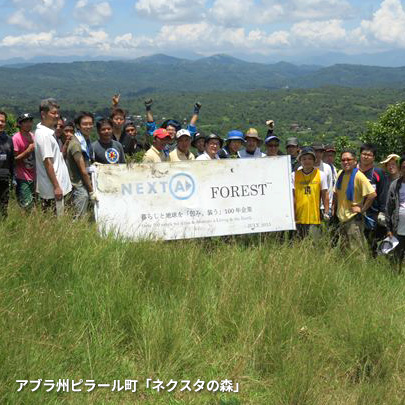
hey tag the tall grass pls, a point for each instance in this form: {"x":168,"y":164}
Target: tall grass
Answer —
{"x":294,"y":323}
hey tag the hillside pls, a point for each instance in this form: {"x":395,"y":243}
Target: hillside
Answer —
{"x":291,"y":324}
{"x":162,"y":73}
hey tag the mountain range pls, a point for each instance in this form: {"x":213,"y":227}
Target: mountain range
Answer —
{"x":163,"y":73}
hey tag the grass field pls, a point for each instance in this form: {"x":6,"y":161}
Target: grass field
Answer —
{"x":291,"y":324}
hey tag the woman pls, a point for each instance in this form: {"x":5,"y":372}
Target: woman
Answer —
{"x":390,"y":166}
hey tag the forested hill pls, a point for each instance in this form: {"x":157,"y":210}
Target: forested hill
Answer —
{"x":164,"y":73}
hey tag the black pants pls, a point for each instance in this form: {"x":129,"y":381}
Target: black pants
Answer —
{"x":4,"y":197}
{"x":399,"y":252}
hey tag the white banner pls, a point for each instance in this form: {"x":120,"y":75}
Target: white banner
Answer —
{"x":196,"y":198}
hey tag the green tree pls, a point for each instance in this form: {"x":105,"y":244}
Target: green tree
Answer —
{"x":388,"y":133}
{"x":11,"y":125}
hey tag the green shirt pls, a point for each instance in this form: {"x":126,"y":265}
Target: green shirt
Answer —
{"x":73,"y":150}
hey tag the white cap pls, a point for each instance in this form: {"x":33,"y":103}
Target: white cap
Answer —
{"x":183,"y":132}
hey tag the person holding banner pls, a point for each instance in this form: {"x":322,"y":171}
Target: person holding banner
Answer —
{"x":233,"y":143}
{"x":182,"y":150}
{"x":156,"y":152}
{"x":310,"y":187}
{"x":106,"y":150}
{"x":213,"y":143}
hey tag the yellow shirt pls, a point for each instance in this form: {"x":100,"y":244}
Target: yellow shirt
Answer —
{"x":308,"y":197}
{"x":154,"y":156}
{"x":362,"y":188}
{"x":176,"y":156}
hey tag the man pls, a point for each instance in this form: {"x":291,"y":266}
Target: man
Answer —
{"x":182,"y":150}
{"x":156,"y":152}
{"x":24,"y":157}
{"x":329,"y":157}
{"x":293,"y":150}
{"x":198,"y":143}
{"x":117,"y":118}
{"x":79,"y":158}
{"x":6,"y":165}
{"x":376,"y":230}
{"x":310,"y":186}
{"x":354,"y":195}
{"x":129,"y":139}
{"x":320,"y":164}
{"x":272,"y":143}
{"x":213,"y":143}
{"x":395,"y":213}
{"x":106,"y":150}
{"x":53,"y":182}
{"x":253,"y":142}
{"x":233,"y":143}
{"x":172,"y":126}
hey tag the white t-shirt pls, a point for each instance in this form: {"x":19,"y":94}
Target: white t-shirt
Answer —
{"x":401,"y":222}
{"x":46,"y":146}
{"x":205,"y":156}
{"x":324,"y":167}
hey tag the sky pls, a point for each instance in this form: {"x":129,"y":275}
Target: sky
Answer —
{"x":256,"y":29}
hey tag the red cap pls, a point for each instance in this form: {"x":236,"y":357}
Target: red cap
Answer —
{"x":161,"y":133}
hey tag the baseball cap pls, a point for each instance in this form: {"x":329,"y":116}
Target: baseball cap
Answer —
{"x":272,"y":138}
{"x":390,"y":157}
{"x":306,"y":151}
{"x":330,"y":148}
{"x":183,"y":132}
{"x":24,"y":117}
{"x":161,"y":133}
{"x":292,"y":142}
{"x":318,"y":146}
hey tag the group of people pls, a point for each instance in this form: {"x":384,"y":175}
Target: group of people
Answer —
{"x":362,"y":203}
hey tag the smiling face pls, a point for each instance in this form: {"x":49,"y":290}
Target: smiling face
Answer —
{"x":234,"y":145}
{"x":251,"y":144}
{"x":349,"y":162}
{"x":105,"y":133}
{"x":212,"y":147}
{"x":184,"y":143}
{"x":86,"y":126}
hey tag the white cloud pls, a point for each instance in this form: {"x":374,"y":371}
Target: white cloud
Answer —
{"x":236,"y":12}
{"x":92,"y":13}
{"x":35,"y":14}
{"x":319,"y":33}
{"x":82,"y":36}
{"x":175,"y":11}
{"x":387,"y":25}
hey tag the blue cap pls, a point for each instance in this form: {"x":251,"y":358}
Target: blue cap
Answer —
{"x":272,"y":138}
{"x":235,"y":135}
